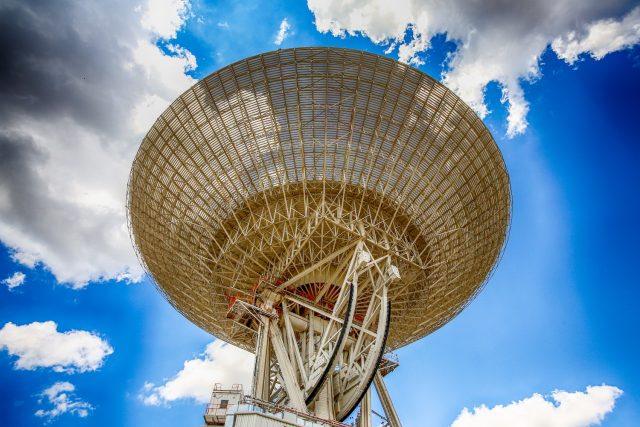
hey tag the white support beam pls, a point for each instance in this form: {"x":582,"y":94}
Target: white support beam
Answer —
{"x":318,"y":310}
{"x":364,"y":420}
{"x":296,"y":399}
{"x":315,"y":266}
{"x":260,"y":386}
{"x":385,"y":400}
{"x":293,"y":345}
{"x":324,"y":402}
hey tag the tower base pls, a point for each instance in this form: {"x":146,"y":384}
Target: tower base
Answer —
{"x":252,"y":412}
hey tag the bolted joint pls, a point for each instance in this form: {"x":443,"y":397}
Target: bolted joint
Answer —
{"x":393,"y":273}
{"x":364,"y":257}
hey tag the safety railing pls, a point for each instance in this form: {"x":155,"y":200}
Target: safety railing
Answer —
{"x":274,"y":408}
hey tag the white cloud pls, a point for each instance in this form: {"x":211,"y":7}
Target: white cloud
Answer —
{"x":565,"y":409}
{"x":165,"y":17}
{"x":40,"y":345}
{"x":15,"y":280}
{"x":496,"y":41}
{"x":283,"y":32}
{"x":220,"y":363}
{"x":61,"y":396}
{"x":599,"y":38}
{"x":83,"y":84}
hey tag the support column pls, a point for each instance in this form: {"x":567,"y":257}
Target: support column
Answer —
{"x":260,"y":385}
{"x":385,"y":400}
{"x":364,"y":420}
{"x":324,"y":402}
{"x":296,"y":398}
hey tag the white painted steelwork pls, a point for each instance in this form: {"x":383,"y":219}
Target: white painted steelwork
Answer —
{"x":319,"y":206}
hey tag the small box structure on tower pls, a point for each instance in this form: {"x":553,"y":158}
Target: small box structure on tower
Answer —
{"x":222,"y":401}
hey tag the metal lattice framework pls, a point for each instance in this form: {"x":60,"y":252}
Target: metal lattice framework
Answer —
{"x":320,"y":206}
{"x":281,"y":160}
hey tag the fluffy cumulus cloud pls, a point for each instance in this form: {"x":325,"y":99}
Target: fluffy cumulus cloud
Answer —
{"x":61,"y":399}
{"x":220,"y":363}
{"x":81,"y":83}
{"x":599,"y":38}
{"x":564,"y":409}
{"x":497,"y":41}
{"x":283,"y":32}
{"x":15,"y":280}
{"x":165,"y":17}
{"x":40,"y":345}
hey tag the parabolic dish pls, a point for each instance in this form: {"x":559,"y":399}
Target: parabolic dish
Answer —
{"x":277,"y":161}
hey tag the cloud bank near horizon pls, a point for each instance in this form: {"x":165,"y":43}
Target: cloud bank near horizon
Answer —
{"x":564,"y":409}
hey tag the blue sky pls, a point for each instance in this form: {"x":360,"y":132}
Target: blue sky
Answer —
{"x":559,"y":87}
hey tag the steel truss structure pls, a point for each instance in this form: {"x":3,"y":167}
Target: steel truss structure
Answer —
{"x":320,"y":207}
{"x":325,"y":357}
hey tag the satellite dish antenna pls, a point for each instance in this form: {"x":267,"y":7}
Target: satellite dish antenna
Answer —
{"x":319,"y":207}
